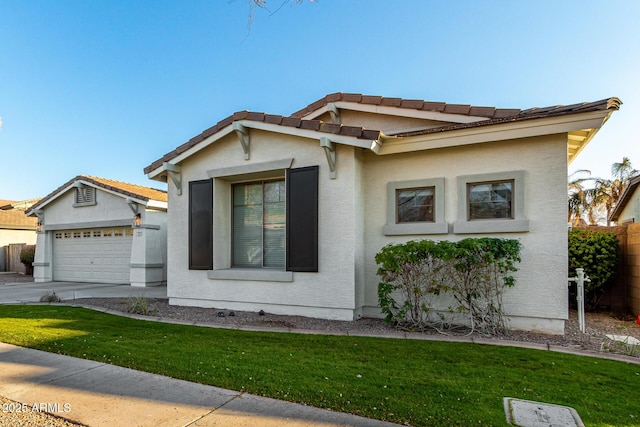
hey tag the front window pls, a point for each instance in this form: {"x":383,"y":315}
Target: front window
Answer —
{"x":490,"y":200}
{"x":259,"y":224}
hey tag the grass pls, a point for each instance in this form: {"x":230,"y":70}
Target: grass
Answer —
{"x":403,"y":381}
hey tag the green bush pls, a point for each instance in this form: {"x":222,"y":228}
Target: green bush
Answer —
{"x":27,"y":254}
{"x":474,"y":271}
{"x":597,"y":253}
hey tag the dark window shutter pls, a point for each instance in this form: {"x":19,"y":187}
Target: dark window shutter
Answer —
{"x":201,"y":225}
{"x":302,"y":219}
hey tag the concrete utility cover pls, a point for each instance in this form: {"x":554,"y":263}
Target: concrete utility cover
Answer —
{"x":525,"y":413}
{"x":624,"y":339}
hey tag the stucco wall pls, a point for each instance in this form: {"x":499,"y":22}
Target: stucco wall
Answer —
{"x":631,"y":212}
{"x":108,"y":207}
{"x":17,"y":236}
{"x":541,"y":290}
{"x":328,"y":293}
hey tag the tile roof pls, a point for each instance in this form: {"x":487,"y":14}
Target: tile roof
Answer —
{"x":491,"y":114}
{"x":129,"y":190}
{"x":530,"y":114}
{"x":412,"y":104}
{"x":294,"y":122}
{"x":16,"y":219}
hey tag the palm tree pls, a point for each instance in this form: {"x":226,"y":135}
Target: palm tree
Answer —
{"x":602,"y":198}
{"x":577,"y":197}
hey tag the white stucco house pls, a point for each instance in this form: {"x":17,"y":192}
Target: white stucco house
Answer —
{"x":627,"y":210}
{"x":286,"y":213}
{"x":99,"y":230}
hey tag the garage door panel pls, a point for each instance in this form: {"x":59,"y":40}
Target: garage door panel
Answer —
{"x":92,"y":255}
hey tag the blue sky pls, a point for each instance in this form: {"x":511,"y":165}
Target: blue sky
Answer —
{"x":104,"y":88}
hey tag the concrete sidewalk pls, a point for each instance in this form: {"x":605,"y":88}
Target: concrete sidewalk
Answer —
{"x":99,"y":394}
{"x":24,"y":292}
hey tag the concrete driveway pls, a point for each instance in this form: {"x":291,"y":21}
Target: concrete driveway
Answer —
{"x":15,"y":293}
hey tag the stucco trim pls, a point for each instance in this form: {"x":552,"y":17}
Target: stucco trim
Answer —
{"x":248,"y":171}
{"x":90,"y":224}
{"x":144,"y":265}
{"x":262,"y":275}
{"x":438,"y":226}
{"x":518,"y":224}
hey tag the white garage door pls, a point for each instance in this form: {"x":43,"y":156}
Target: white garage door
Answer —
{"x":99,"y":255}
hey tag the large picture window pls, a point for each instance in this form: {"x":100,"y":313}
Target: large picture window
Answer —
{"x":259,"y":224}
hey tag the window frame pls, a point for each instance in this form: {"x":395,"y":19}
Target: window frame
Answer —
{"x":223,"y":178}
{"x":517,"y":223}
{"x":437,"y":226}
{"x":262,"y":182}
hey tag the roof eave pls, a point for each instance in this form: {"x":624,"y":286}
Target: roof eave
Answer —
{"x":160,"y":172}
{"x":497,"y":132}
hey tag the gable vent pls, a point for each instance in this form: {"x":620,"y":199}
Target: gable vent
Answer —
{"x":85,"y":195}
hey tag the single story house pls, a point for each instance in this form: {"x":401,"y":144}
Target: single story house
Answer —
{"x":15,"y":225}
{"x":99,"y":230}
{"x":286,"y":213}
{"x":627,"y":210}
{"x":16,"y":229}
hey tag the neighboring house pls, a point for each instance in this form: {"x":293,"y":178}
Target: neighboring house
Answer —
{"x":286,"y":214}
{"x":627,"y":210}
{"x":15,"y":229}
{"x":99,"y":230}
{"x":15,"y":226}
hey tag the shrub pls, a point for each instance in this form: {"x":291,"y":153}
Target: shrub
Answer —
{"x":27,"y":254}
{"x":52,"y":297}
{"x":597,"y":253}
{"x":474,"y":271}
{"x":140,"y":305}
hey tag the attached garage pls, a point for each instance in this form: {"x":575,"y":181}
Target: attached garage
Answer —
{"x":99,"y":255}
{"x":101,"y":231}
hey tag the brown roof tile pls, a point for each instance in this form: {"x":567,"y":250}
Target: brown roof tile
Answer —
{"x":494,"y":116}
{"x":126,"y":189}
{"x":16,"y":219}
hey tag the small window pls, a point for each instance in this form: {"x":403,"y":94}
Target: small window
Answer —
{"x":129,"y":231}
{"x":97,"y":233}
{"x":415,"y":205}
{"x":76,"y":235}
{"x":491,"y":203}
{"x":67,"y":235}
{"x":58,"y":235}
{"x":107,"y":232}
{"x":86,"y":234}
{"x":490,"y":200}
{"x":117,"y":232}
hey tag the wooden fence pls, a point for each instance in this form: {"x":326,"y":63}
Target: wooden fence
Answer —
{"x":624,"y":295}
{"x":12,"y":258}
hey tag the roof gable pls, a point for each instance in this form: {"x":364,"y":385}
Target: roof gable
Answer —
{"x":123,"y":189}
{"x":460,"y":117}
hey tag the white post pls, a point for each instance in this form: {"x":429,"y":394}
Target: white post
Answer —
{"x":580,"y":279}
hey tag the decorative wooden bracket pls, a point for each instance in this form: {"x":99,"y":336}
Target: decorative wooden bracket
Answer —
{"x":334,"y":112}
{"x":132,"y":205}
{"x":175,"y":173}
{"x":243,"y":136}
{"x":330,"y":151}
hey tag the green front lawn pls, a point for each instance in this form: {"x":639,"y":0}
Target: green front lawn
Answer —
{"x":403,"y":381}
